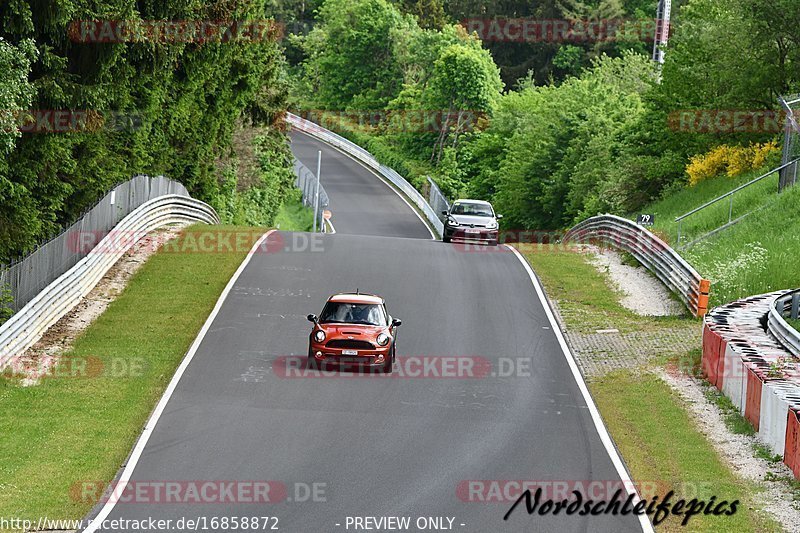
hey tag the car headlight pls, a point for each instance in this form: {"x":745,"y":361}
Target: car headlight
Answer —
{"x":319,"y":335}
{"x":383,"y":339}
{"x":491,"y":225}
{"x":452,"y":222}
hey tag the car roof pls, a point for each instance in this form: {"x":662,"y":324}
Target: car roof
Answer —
{"x":465,"y":201}
{"x":356,"y":298}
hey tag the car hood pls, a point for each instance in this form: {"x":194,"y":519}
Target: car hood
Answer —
{"x":357,"y":331}
{"x":469,"y":219}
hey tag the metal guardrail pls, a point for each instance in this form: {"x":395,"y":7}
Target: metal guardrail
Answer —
{"x":789,"y":337}
{"x":28,"y":325}
{"x":730,"y":195}
{"x":27,"y":277}
{"x":368,"y":159}
{"x":307,"y":183}
{"x":437,"y":199}
{"x":650,"y":251}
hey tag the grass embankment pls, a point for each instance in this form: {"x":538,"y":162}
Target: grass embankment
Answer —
{"x":648,"y":421}
{"x":684,"y":200}
{"x":755,"y":255}
{"x":293,"y":215}
{"x":68,"y":430}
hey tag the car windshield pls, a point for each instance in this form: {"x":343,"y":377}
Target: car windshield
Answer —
{"x":350,"y":313}
{"x":475,"y":210}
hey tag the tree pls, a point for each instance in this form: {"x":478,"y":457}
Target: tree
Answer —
{"x":549,"y":155}
{"x":183,"y":100}
{"x":465,"y":82}
{"x":351,"y":62}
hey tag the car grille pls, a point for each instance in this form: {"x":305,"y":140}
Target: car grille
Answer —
{"x":350,"y":344}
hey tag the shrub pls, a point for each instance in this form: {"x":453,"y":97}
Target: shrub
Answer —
{"x":733,"y":160}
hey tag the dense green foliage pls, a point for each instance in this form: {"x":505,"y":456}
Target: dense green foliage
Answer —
{"x":551,"y":59}
{"x":599,"y":136}
{"x":184,"y":100}
{"x":571,"y":136}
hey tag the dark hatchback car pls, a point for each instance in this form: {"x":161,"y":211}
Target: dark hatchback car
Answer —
{"x":471,"y":221}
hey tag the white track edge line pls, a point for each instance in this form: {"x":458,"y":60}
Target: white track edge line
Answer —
{"x":372,"y":170}
{"x":330,"y":225}
{"x":600,"y":426}
{"x":133,"y":460}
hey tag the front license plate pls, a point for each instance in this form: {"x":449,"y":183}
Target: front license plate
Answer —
{"x":472,"y":232}
{"x":349,"y":352}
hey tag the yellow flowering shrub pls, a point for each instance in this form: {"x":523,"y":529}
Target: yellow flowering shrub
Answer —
{"x":732,"y":160}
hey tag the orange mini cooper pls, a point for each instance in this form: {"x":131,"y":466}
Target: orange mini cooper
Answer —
{"x":354,"y":330}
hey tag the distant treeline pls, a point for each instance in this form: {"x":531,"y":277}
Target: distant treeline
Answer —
{"x":578,"y":126}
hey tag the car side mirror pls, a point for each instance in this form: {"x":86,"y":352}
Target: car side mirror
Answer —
{"x":444,"y":212}
{"x":396,"y":322}
{"x":498,"y":217}
{"x":312,"y":318}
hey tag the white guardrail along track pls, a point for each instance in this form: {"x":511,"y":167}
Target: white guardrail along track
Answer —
{"x":789,"y":337}
{"x":368,"y":159}
{"x":652,"y":252}
{"x":28,"y":325}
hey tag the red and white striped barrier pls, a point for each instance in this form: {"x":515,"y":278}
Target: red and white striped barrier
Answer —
{"x":751,"y":367}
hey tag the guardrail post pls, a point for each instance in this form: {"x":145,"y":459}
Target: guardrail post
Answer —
{"x":730,"y":210}
{"x":795,"y":306}
{"x":702,"y":298}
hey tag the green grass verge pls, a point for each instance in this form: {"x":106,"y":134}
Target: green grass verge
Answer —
{"x":293,"y":215}
{"x":648,"y":421}
{"x":586,"y":300}
{"x":69,"y":430}
{"x":660,"y":444}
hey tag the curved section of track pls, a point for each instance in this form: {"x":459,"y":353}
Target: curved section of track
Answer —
{"x":362,"y":204}
{"x":405,"y":445}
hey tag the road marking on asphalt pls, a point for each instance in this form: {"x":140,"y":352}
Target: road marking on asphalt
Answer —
{"x":173,"y":384}
{"x":329,"y":222}
{"x":605,"y":438}
{"x":372,"y":170}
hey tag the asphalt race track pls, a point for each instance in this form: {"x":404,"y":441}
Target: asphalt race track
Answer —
{"x":361,"y":203}
{"x":374,"y":446}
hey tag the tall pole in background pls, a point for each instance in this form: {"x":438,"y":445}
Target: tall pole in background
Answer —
{"x":316,"y":189}
{"x":663,"y":14}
